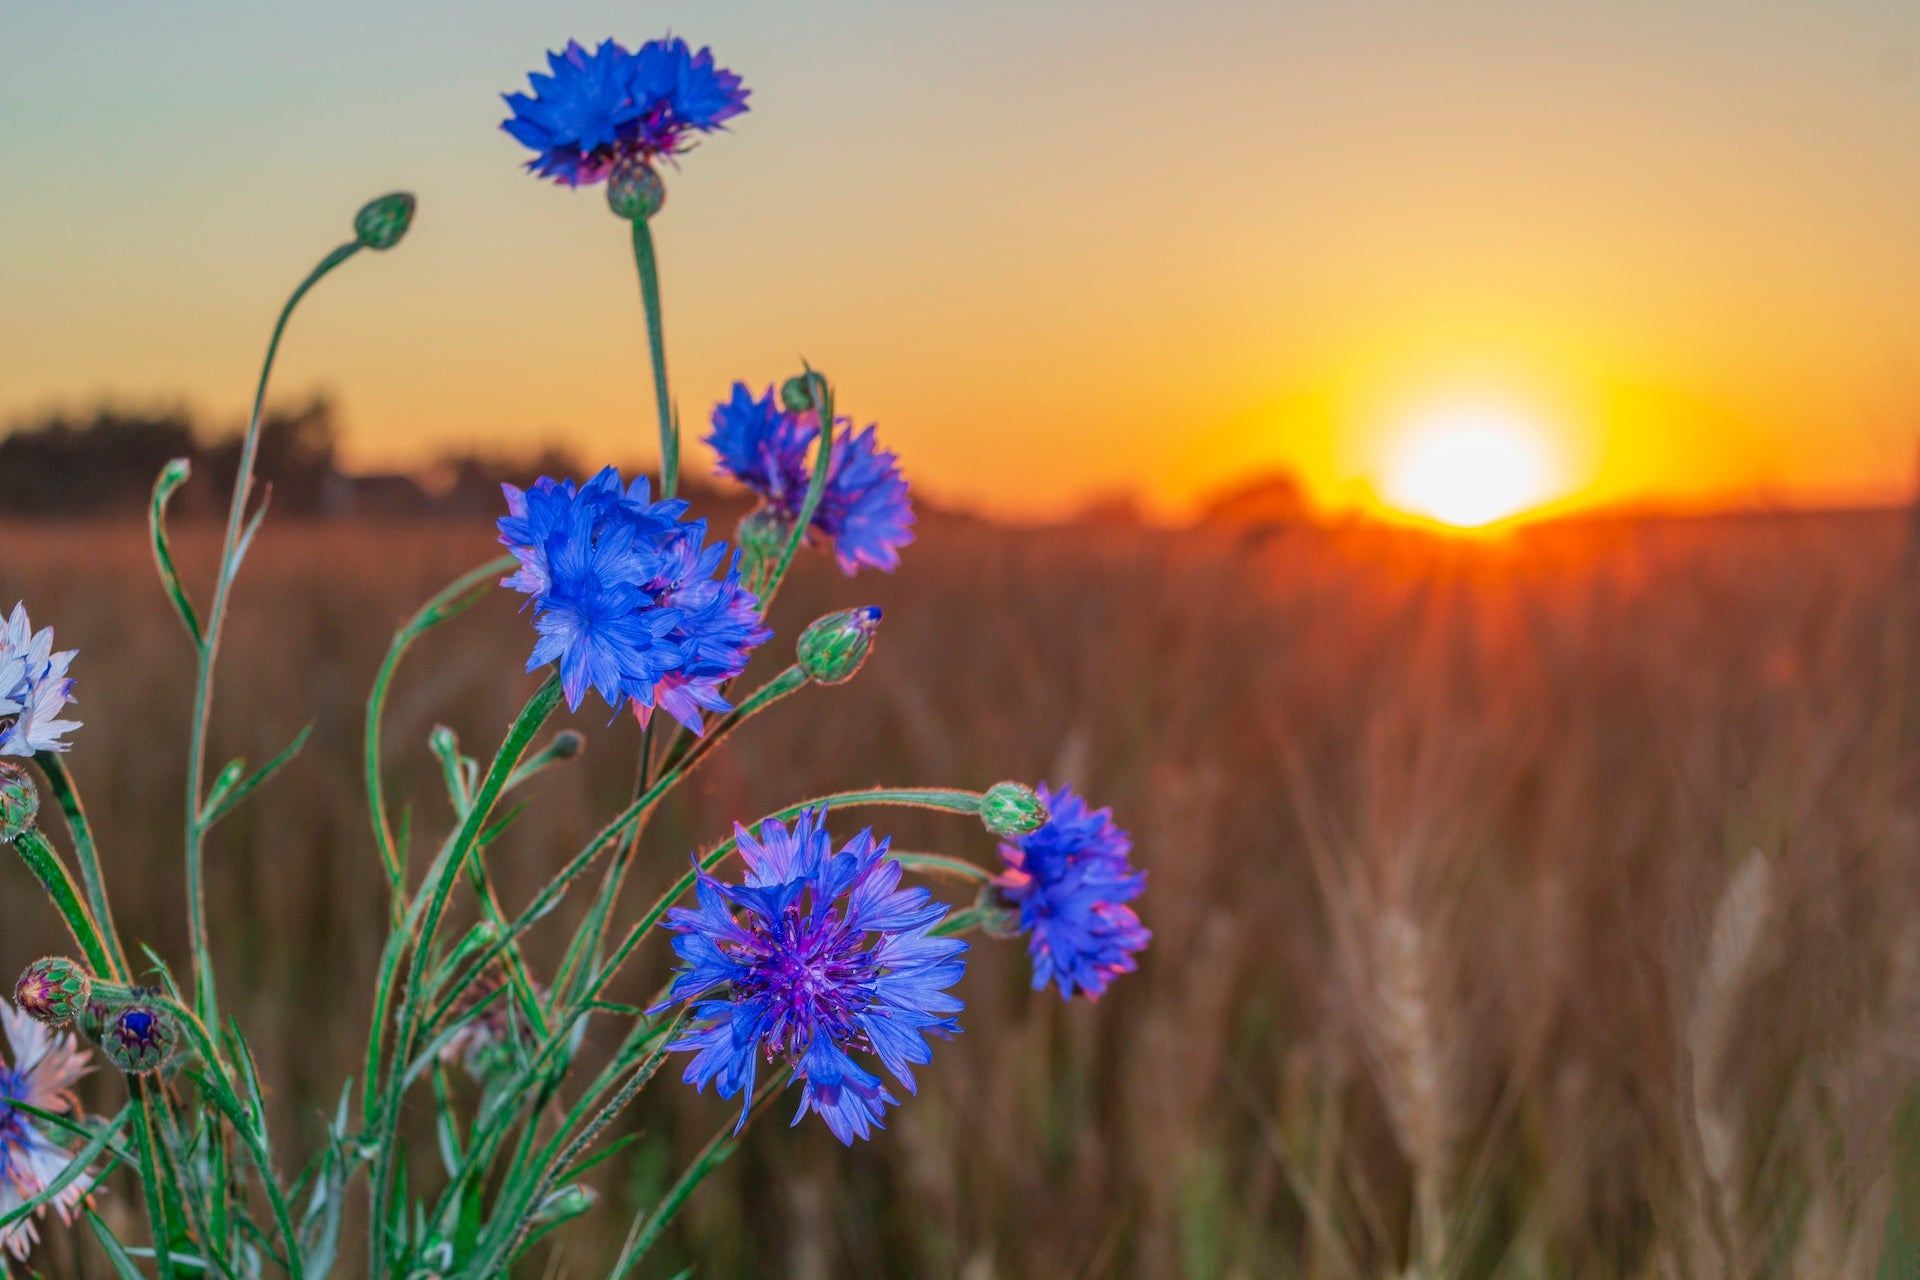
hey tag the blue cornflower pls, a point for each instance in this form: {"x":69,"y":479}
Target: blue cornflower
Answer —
{"x":45,"y":1066}
{"x":625,"y":597}
{"x":601,"y":106}
{"x":1070,"y":881}
{"x":827,"y":955}
{"x":34,"y":686}
{"x":864,"y":513}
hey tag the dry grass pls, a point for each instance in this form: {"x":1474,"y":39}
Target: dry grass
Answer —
{"x":1543,"y":909}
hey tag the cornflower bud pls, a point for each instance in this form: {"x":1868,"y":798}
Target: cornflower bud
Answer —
{"x":19,"y":802}
{"x":140,"y":1038}
{"x":762,"y":536}
{"x":53,"y":990}
{"x":634,"y":189}
{"x":1012,"y":810}
{"x":800,"y":393}
{"x":832,"y":648}
{"x":999,"y":918}
{"x":380,"y":223}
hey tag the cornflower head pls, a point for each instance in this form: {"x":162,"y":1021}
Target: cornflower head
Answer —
{"x":45,"y":1066}
{"x":819,"y":954}
{"x":34,"y":687}
{"x":864,"y":513}
{"x":599,"y":107}
{"x":626,"y":596}
{"x":1070,"y":880}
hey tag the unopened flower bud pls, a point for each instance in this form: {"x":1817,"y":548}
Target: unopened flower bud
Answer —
{"x":567,"y":744}
{"x":762,"y":536}
{"x":19,"y":801}
{"x":800,"y":394}
{"x":832,"y":648}
{"x":140,"y":1038}
{"x":634,"y":189}
{"x":380,"y":223}
{"x":53,"y":990}
{"x":999,"y":918}
{"x":1012,"y":810}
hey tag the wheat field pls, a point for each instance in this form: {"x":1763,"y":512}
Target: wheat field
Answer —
{"x":1536,"y":907}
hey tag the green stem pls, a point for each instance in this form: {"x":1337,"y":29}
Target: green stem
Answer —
{"x":592,"y":936}
{"x":816,"y":488}
{"x":643,"y":257}
{"x":87,"y":854}
{"x":424,"y":921}
{"x":145,"y":1141}
{"x":450,"y":602}
{"x":556,"y":1160}
{"x":944,"y":799}
{"x":53,"y":876}
{"x":944,"y":867}
{"x":711,"y":1157}
{"x":215,"y":1086}
{"x":204,"y":997}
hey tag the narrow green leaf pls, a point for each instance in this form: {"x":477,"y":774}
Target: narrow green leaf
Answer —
{"x":117,"y":1255}
{"x":172,"y":476}
{"x":253,"y":527}
{"x":214,"y":812}
{"x":222,"y":784}
{"x":443,"y":1123}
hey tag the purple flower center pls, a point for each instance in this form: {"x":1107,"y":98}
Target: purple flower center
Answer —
{"x":810,"y":976}
{"x":137,"y":1023}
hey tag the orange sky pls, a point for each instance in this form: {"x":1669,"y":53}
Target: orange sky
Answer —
{"x":1057,"y":250}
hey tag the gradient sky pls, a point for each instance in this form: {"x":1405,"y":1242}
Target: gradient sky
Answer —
{"x":1057,"y":250}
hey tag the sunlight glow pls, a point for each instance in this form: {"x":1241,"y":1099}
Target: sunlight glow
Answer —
{"x":1469,"y":466}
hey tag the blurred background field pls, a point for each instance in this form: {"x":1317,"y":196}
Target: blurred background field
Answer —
{"x":1544,"y":905}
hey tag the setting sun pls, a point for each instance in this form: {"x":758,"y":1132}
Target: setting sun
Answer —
{"x":1469,"y":466}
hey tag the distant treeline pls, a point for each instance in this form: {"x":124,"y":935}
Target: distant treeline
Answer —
{"x":105,"y":463}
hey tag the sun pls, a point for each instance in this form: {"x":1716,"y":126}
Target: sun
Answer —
{"x":1469,"y":466}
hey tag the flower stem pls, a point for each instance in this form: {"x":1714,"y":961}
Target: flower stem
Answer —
{"x":53,"y":876}
{"x":231,"y":550}
{"x":725,"y":1140}
{"x":643,"y":257}
{"x":816,"y":489}
{"x":450,"y":602}
{"x":945,"y":799}
{"x":687,"y":753}
{"x":87,"y":854}
{"x":417,"y":931}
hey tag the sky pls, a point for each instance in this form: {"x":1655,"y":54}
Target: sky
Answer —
{"x":1061,"y":250}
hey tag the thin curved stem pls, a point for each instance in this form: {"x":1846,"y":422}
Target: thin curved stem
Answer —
{"x":645,"y":260}
{"x":448,"y":603}
{"x":711,"y":1157}
{"x":688,"y":752}
{"x":816,"y":489}
{"x":230,"y":549}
